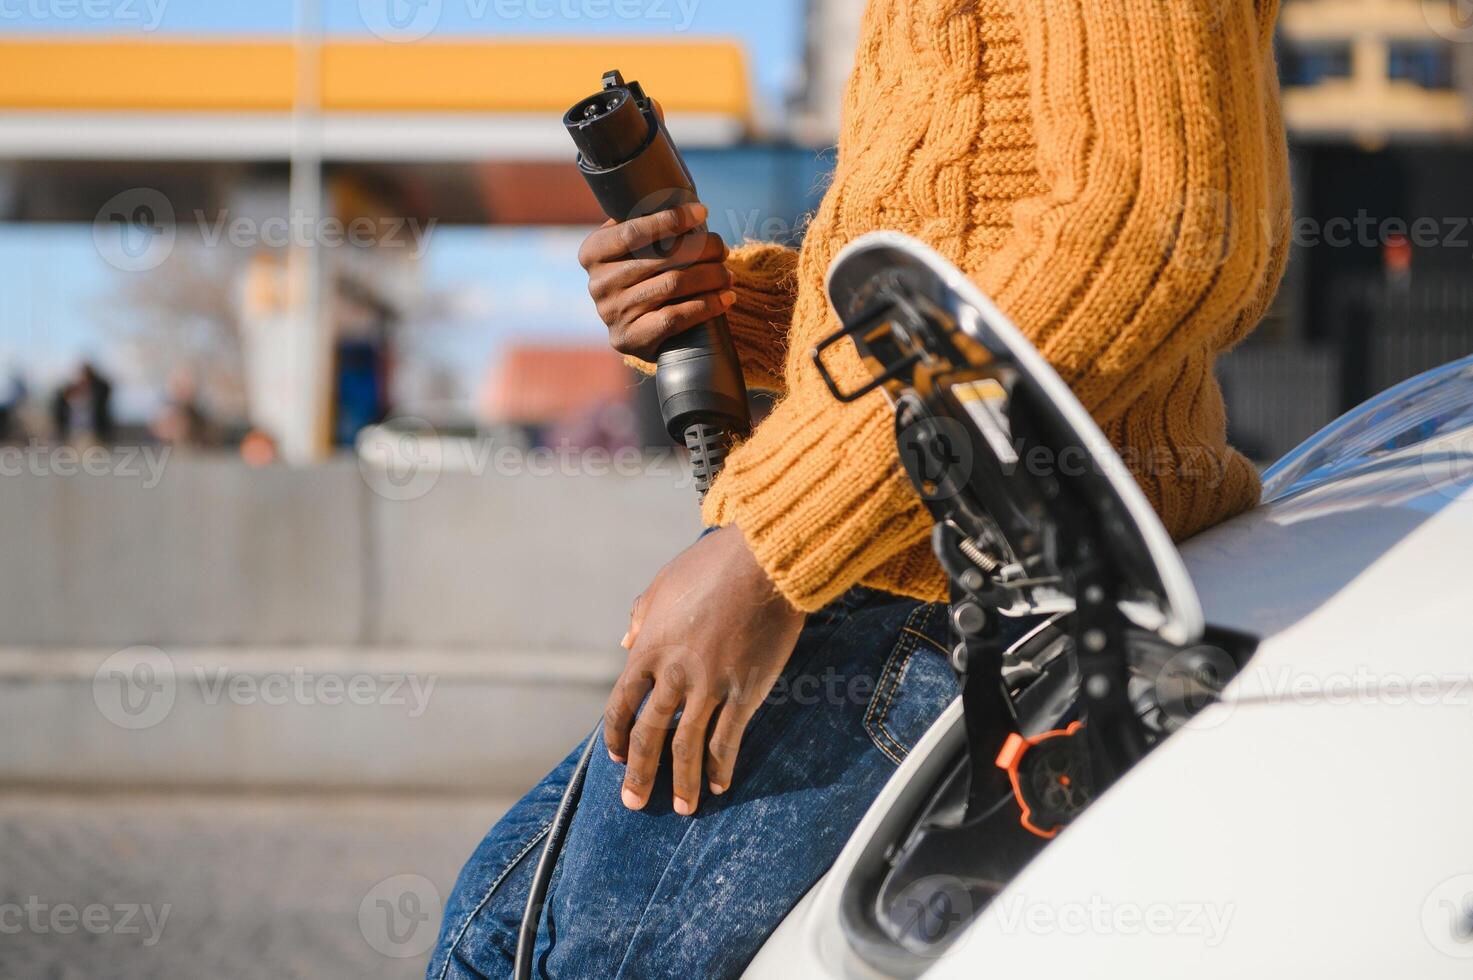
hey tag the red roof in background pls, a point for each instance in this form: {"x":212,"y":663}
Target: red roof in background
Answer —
{"x":536,"y":193}
{"x":536,"y":384}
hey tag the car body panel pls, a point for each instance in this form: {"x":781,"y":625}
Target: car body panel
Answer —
{"x":1286,"y":840}
{"x":1316,"y":821}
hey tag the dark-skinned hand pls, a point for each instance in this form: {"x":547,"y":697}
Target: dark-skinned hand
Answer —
{"x":656,"y":276}
{"x":707,"y":640}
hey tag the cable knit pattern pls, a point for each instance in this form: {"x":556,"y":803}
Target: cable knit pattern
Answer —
{"x":765,"y":283}
{"x":1112,"y":172}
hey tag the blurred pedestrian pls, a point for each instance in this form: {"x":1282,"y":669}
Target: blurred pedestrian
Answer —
{"x":81,"y":411}
{"x":12,"y":409}
{"x":183,"y":422}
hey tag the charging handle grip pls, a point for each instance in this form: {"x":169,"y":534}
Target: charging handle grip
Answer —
{"x":634,"y":169}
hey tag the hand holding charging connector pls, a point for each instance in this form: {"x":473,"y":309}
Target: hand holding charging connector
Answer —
{"x":634,"y":170}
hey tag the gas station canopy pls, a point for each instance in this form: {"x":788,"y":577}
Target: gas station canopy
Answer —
{"x":429,"y":101}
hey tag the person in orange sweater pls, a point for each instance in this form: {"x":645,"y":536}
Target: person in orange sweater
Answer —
{"x":1113,"y":174}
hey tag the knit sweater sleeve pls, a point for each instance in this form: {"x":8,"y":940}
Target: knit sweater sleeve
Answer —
{"x":764,"y":283}
{"x":1159,"y":142}
{"x":1149,"y":245}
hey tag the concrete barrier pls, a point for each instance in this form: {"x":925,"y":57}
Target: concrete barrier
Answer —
{"x":202,"y":624}
{"x":296,"y":720}
{"x":522,"y":562}
{"x":213,"y":553}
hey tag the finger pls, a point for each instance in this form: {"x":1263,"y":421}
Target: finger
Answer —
{"x":687,"y":750}
{"x":647,"y":741}
{"x":724,"y":745}
{"x":693,"y":249}
{"x":670,"y":287}
{"x":622,"y":706}
{"x":595,"y":245}
{"x":638,"y":235}
{"x":643,"y":337}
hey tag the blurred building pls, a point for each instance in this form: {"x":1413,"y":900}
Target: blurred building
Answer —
{"x":828,"y":55}
{"x":324,"y":164}
{"x":1378,"y":101}
{"x":1376,"y":70}
{"x":564,"y":386}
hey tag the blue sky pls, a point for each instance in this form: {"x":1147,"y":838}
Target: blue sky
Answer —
{"x":772,"y":30}
{"x":54,"y":287}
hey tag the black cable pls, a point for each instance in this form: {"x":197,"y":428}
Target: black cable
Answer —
{"x":557,"y":832}
{"x":708,"y":445}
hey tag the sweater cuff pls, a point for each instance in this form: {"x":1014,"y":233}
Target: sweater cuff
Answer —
{"x":820,"y":495}
{"x":765,"y":283}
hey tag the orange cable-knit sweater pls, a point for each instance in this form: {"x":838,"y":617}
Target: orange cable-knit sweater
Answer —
{"x":1111,"y":172}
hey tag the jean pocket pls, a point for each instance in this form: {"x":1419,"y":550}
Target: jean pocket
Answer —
{"x":915,"y":685}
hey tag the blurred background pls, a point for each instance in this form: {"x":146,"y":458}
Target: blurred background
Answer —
{"x":323,"y":499}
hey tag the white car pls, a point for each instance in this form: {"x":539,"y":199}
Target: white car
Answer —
{"x":1311,"y":818}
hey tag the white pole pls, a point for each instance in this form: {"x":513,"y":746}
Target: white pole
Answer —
{"x":304,"y":439}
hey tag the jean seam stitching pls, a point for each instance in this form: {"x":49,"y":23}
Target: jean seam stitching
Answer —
{"x":901,"y":749}
{"x":880,"y":722}
{"x":929,"y":642}
{"x":919,"y":634}
{"x":874,"y":722}
{"x":490,"y":891}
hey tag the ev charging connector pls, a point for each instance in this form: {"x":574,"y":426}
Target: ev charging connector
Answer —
{"x":633,"y":168}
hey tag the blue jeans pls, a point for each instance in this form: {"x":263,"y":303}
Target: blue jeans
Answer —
{"x":654,"y":894}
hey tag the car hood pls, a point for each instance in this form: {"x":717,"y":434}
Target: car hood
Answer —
{"x":1359,"y":564}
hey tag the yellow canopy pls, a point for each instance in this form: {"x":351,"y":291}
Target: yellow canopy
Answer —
{"x":469,"y":76}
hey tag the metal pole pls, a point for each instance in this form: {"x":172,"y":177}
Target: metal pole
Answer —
{"x":305,"y":437}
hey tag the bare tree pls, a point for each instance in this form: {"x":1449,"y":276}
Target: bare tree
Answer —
{"x":184,"y":317}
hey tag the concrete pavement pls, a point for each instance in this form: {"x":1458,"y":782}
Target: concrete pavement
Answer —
{"x":184,"y":887}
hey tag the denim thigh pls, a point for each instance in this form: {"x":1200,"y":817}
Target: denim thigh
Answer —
{"x":478,"y":932}
{"x":653,"y":894}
